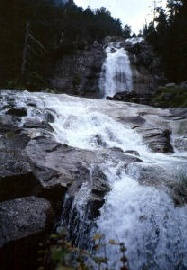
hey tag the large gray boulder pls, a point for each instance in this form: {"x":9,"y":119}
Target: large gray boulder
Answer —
{"x":149,"y":174}
{"x":23,"y":217}
{"x":24,"y":223}
{"x":158,"y":140}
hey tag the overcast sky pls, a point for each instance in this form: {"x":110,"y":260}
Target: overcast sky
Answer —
{"x":132,"y":12}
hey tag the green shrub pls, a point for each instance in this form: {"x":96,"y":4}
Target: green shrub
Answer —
{"x":62,"y":255}
{"x":170,"y":97}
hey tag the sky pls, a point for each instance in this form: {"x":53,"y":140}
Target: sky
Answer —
{"x":131,"y":12}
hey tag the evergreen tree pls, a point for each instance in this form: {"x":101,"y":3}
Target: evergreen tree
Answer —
{"x":169,"y":38}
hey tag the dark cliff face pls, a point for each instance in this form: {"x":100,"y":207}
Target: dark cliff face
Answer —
{"x":78,"y":73}
{"x":146,"y":66}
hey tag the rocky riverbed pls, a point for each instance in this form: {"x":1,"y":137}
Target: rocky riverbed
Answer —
{"x":58,"y":150}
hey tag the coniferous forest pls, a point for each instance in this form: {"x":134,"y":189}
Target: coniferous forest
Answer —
{"x":167,"y":33}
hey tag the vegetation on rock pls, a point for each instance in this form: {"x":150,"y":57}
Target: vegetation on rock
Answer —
{"x":170,"y":97}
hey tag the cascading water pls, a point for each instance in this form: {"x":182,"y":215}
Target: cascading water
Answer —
{"x":145,"y":218}
{"x":116,"y":75}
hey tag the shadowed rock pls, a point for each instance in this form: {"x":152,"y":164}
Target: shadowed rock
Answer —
{"x":24,"y":223}
{"x":158,"y":140}
{"x":19,"y":112}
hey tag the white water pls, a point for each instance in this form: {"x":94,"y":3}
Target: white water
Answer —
{"x":144,"y":218}
{"x":116,"y":75}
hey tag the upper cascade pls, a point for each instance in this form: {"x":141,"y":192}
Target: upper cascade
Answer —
{"x":116,"y":75}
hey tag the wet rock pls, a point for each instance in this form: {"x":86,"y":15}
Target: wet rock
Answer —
{"x":83,"y":201}
{"x":49,"y":117}
{"x":113,"y":50}
{"x":31,"y":104}
{"x":117,"y":149}
{"x":98,"y":140}
{"x":158,"y":140}
{"x":8,"y":123}
{"x":135,"y":153}
{"x":181,"y":143}
{"x":37,"y":124}
{"x":179,"y":112}
{"x":55,"y":163}
{"x":19,"y":112}
{"x":149,"y":174}
{"x":116,"y":155}
{"x":99,"y":188}
{"x":137,"y":120}
{"x":161,"y":177}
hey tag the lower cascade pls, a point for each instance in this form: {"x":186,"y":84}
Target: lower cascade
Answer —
{"x":116,"y":75}
{"x":141,"y":215}
{"x":130,"y":186}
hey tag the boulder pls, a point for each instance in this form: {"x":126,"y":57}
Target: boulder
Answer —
{"x":135,"y":153}
{"x":162,"y":177}
{"x":24,"y":224}
{"x":158,"y":140}
{"x":31,"y":123}
{"x":117,"y":155}
{"x":149,"y":174}
{"x":16,"y":178}
{"x":23,"y":217}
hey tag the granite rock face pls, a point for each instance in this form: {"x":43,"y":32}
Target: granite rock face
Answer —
{"x":24,"y":217}
{"x":146,"y":66}
{"x":78,"y":74}
{"x":25,"y":222}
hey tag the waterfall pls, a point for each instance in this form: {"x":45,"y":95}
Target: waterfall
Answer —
{"x":116,"y":74}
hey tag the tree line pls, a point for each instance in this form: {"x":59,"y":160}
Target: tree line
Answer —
{"x":167,"y":33}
